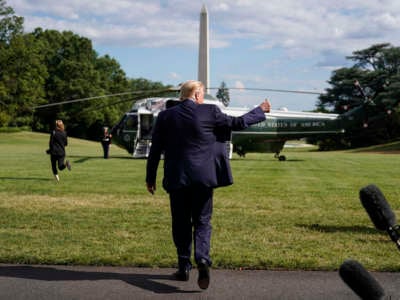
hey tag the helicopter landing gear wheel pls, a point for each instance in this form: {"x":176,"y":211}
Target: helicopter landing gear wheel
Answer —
{"x":280,"y":157}
{"x":241,"y":153}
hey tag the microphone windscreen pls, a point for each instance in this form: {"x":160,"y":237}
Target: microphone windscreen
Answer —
{"x":360,"y":280}
{"x":377,"y":207}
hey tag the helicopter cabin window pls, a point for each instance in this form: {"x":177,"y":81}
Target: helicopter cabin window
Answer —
{"x":131,"y":122}
{"x":146,"y":126}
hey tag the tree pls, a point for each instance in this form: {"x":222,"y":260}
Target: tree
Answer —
{"x":377,"y":69}
{"x":71,"y":64}
{"x":108,"y":110}
{"x":23,"y":78}
{"x":10,"y":24}
{"x":223,"y":94}
{"x":48,"y":66}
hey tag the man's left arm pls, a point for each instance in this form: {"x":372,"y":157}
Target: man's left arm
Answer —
{"x":154,"y":156}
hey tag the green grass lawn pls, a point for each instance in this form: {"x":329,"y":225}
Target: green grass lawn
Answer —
{"x":303,"y":213}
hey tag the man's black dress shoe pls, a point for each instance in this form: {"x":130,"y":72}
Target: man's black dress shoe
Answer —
{"x":204,"y":274}
{"x":182,"y":274}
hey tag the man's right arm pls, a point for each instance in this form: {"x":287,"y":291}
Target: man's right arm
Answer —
{"x":255,"y":115}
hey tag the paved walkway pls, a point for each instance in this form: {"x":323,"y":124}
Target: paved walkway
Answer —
{"x":76,"y":282}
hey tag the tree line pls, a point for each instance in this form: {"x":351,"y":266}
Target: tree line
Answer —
{"x":376,"y":70}
{"x":47,"y":66}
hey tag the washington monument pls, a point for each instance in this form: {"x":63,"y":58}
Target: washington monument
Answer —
{"x":204,"y":73}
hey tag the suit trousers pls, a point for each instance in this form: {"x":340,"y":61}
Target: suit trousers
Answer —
{"x":106,"y":148}
{"x":191,"y":210}
{"x":57,"y":159}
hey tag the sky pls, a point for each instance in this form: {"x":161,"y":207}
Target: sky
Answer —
{"x":274,"y":44}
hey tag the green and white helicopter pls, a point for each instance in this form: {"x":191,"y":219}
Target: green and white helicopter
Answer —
{"x":133,"y":131}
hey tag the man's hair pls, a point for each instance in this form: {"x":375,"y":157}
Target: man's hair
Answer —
{"x":59,"y":125}
{"x":189,"y":87}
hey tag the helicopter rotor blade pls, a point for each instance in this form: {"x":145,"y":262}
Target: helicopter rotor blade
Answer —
{"x":131,"y":99}
{"x":273,"y":90}
{"x":141,"y":92}
{"x":149,"y":93}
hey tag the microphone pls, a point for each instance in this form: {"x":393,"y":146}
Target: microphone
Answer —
{"x":380,"y":212}
{"x":360,"y":280}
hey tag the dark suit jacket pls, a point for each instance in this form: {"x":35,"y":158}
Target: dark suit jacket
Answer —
{"x":222,"y":165}
{"x":57,"y":143}
{"x":187,"y":136}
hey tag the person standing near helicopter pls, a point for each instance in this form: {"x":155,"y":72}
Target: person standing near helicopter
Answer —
{"x":106,"y":141}
{"x":58,"y":141}
{"x":187,"y":136}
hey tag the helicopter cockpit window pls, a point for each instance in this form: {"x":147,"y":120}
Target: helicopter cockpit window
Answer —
{"x":131,"y":122}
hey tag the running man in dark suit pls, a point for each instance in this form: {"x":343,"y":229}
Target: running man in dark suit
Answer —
{"x":189,"y":136}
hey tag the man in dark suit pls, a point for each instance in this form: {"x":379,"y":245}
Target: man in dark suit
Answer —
{"x":190,"y":136}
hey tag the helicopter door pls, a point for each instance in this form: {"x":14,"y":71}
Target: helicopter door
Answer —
{"x":146,"y":126}
{"x":127,"y":131}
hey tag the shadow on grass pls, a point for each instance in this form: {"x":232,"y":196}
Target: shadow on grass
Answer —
{"x":144,"y":281}
{"x":81,"y":159}
{"x":288,"y":160}
{"x":334,"y":228}
{"x":26,"y":178}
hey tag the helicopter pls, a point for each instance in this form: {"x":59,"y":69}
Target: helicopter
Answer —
{"x":133,"y":131}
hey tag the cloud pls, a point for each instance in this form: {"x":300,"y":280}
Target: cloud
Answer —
{"x":174,"y":76}
{"x":276,"y":40}
{"x":333,"y":60}
{"x":297,"y":27}
{"x":118,"y":22}
{"x":239,"y":85}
